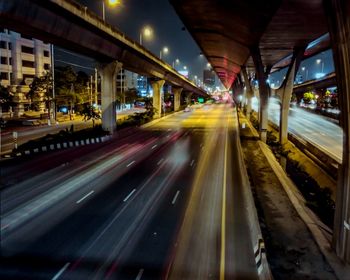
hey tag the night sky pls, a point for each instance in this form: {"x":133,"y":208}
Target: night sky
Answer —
{"x":132,"y":15}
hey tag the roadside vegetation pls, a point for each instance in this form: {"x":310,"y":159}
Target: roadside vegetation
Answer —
{"x":318,"y":199}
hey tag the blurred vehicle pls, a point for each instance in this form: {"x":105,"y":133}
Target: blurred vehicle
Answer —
{"x":30,"y":122}
{"x":188,"y":109}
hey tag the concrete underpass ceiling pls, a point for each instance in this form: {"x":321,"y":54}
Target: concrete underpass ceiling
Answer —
{"x":226,"y":30}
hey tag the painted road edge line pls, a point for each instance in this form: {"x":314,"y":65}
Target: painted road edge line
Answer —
{"x":131,"y":163}
{"x":175,"y":197}
{"x":129,"y":195}
{"x":139,"y":275}
{"x":85,"y":196}
{"x":58,"y":274}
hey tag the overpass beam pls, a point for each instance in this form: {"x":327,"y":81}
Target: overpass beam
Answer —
{"x":109,"y":74}
{"x":177,"y":98}
{"x":286,"y":91}
{"x":338,"y":13}
{"x":248,"y":93}
{"x":263,"y":92}
{"x":157,"y":87}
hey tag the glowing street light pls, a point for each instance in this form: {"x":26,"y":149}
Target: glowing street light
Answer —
{"x":111,"y":3}
{"x":185,"y":67}
{"x":146,"y":32}
{"x":165,"y":50}
{"x":176,"y":62}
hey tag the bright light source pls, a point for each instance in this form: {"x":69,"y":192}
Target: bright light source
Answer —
{"x":113,"y":2}
{"x":185,"y":67}
{"x":165,"y":50}
{"x":240,"y":97}
{"x":318,"y":61}
{"x":177,"y":60}
{"x":303,"y":68}
{"x":319,"y":75}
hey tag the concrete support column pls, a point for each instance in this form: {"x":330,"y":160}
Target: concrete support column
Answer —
{"x":16,"y":54}
{"x":248,"y":93}
{"x":177,"y":98}
{"x":338,"y":13}
{"x":189,"y":98}
{"x":263,"y":93}
{"x":108,"y":74}
{"x":286,"y":91}
{"x":157,"y":97}
{"x":39,"y":58}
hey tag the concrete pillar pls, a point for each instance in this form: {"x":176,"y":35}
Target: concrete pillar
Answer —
{"x":108,"y":74}
{"x":188,"y":98}
{"x":157,"y":97}
{"x":338,"y":13}
{"x":286,"y":91}
{"x":16,"y":54}
{"x":39,"y":58}
{"x":263,"y":92}
{"x":248,"y":92}
{"x":177,"y":98}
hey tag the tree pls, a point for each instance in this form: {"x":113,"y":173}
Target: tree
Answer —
{"x":41,"y":90}
{"x":90,"y":114}
{"x":5,"y":96}
{"x":308,"y":96}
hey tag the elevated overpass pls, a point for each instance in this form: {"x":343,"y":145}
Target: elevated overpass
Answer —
{"x":250,"y":37}
{"x":72,"y":26}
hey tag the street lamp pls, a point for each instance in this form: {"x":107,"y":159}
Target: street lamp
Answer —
{"x":306,"y":71}
{"x":176,"y":62}
{"x":185,"y":67}
{"x":111,"y":3}
{"x":165,"y":50}
{"x":146,"y":32}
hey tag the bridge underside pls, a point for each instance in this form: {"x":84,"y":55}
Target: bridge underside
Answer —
{"x":226,"y":31}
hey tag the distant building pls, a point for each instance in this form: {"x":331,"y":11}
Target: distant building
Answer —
{"x":209,"y":78}
{"x":21,"y":59}
{"x":142,"y":85}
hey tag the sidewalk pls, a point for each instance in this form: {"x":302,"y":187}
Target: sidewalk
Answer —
{"x":291,"y":248}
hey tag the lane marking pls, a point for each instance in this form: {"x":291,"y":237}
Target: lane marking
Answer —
{"x":192,"y":162}
{"x":58,"y":274}
{"x":85,"y":196}
{"x":139,"y":275}
{"x":154,"y":146}
{"x":223,"y":217}
{"x":130,"y":194}
{"x":175,"y":197}
{"x":131,"y":163}
{"x":159,"y":162}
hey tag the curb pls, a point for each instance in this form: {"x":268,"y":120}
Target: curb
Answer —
{"x":311,"y":221}
{"x":59,"y":146}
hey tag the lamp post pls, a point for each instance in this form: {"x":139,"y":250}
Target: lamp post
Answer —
{"x":111,"y":3}
{"x":165,"y":50}
{"x":146,"y":32}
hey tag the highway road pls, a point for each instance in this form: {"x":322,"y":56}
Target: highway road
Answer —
{"x":164,"y":202}
{"x":314,"y":128}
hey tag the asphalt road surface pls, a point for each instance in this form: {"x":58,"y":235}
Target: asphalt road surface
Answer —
{"x":314,"y":128}
{"x":158,"y":203}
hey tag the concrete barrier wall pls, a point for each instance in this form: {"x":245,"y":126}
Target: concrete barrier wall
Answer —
{"x":256,"y":238}
{"x":320,"y":157}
